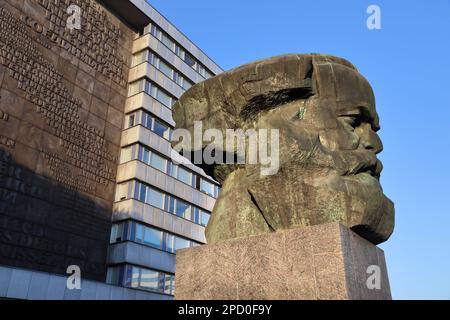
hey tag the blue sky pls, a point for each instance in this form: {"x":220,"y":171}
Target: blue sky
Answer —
{"x":408,"y":64}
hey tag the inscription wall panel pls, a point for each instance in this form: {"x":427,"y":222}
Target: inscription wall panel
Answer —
{"x":62,"y":97}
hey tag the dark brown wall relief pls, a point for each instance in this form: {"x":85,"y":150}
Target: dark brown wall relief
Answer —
{"x":62,"y":94}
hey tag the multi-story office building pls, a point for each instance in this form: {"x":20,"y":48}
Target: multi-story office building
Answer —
{"x":88,"y":178}
{"x":161,"y":205}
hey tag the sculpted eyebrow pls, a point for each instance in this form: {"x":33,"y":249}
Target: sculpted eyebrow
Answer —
{"x":363,"y":113}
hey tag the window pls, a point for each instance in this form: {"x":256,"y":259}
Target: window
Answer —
{"x":147,"y":120}
{"x":155,"y":198}
{"x":146,"y":279}
{"x":170,"y":204}
{"x":131,"y":120}
{"x":117,"y":234}
{"x":142,"y":191}
{"x":146,"y":155}
{"x":135,"y":275}
{"x":204,"y":218}
{"x":174,"y":243}
{"x":207,"y":187}
{"x":184,"y":175}
{"x":164,"y":98}
{"x":159,"y":94}
{"x":168,"y":41}
{"x":139,"y":233}
{"x":170,"y":243}
{"x":208,"y":74}
{"x":190,"y":60}
{"x":161,"y":130}
{"x":113,"y":276}
{"x":149,"y":279}
{"x":181,"y":243}
{"x":164,"y":68}
{"x":182,"y":209}
{"x":202,"y":70}
{"x":169,"y":284}
{"x":153,"y":238}
{"x":186,"y":85}
{"x":178,"y":50}
{"x":158,"y":162}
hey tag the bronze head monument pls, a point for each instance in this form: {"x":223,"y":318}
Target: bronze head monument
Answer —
{"x":328,"y":171}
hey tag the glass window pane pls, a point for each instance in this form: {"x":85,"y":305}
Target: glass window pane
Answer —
{"x":201,"y":70}
{"x":139,"y":233}
{"x":161,"y":129}
{"x":165,"y":69}
{"x":153,"y":237}
{"x":186,"y":84}
{"x":204,"y":218}
{"x":181,"y":243}
{"x":168,"y":42}
{"x":113,"y":275}
{"x":168,"y":284}
{"x":174,"y":170}
{"x":170,"y":243}
{"x":153,"y":30}
{"x":135,"y":277}
{"x":131,"y":120}
{"x":189,"y":60}
{"x":149,"y":279}
{"x":119,"y":234}
{"x":142,"y":192}
{"x":146,"y":155}
{"x":183,"y":209}
{"x":171,"y":205}
{"x":146,"y":120}
{"x":155,"y":198}
{"x":207,"y":187}
{"x":196,"y":215}
{"x":184,"y":175}
{"x":113,"y":237}
{"x":151,"y":58}
{"x":164,"y":98}
{"x":158,"y":162}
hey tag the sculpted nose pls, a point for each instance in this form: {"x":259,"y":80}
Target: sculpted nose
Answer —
{"x":370,"y":140}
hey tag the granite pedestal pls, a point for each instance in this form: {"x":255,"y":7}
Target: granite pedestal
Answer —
{"x":326,"y":261}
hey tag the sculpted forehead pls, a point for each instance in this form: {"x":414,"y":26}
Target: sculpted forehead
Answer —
{"x":345,"y":88}
{"x":243,"y":92}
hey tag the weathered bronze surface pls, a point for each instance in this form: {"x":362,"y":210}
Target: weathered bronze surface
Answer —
{"x":325,"y":112}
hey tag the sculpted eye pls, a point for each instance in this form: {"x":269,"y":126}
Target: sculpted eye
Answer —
{"x":351,"y":121}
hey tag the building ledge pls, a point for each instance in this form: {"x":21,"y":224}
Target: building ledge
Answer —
{"x":26,"y":284}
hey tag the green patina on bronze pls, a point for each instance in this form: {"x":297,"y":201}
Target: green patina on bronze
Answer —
{"x":328,"y":172}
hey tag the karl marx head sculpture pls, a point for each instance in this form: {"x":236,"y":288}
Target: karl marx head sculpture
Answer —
{"x":324,"y":110}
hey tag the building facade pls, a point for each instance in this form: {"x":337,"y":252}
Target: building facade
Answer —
{"x":87,"y":174}
{"x":161,"y":205}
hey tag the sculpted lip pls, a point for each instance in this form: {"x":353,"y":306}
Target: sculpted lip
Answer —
{"x":373,"y":169}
